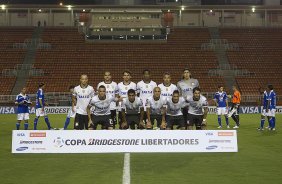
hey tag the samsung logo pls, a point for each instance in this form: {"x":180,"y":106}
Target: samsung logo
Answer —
{"x":211,"y":147}
{"x":22,"y":148}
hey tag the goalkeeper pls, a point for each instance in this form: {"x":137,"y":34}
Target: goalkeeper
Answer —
{"x":234,"y":113}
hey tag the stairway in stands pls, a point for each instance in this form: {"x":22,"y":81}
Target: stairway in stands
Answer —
{"x":23,"y":72}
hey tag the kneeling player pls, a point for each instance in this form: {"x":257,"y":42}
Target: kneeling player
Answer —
{"x":23,"y":101}
{"x":196,"y":115}
{"x":101,"y":111}
{"x":132,"y":111}
{"x":156,"y":109}
{"x":174,"y":111}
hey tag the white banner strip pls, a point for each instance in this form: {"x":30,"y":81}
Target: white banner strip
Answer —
{"x":123,"y":141}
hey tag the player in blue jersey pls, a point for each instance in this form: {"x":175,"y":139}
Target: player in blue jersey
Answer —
{"x":269,"y":108}
{"x":71,"y":113}
{"x":40,"y":107}
{"x":221,"y":101}
{"x":23,"y":101}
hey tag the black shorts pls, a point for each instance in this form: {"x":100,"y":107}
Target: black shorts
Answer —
{"x":105,"y":121}
{"x":158,"y":119}
{"x":233,"y":106}
{"x":81,"y":122}
{"x":195,"y":120}
{"x":132,"y":120}
{"x":175,"y":120}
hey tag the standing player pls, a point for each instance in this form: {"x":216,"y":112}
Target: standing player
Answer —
{"x":167,"y":88}
{"x":269,"y":108}
{"x":23,"y":101}
{"x":156,"y":109}
{"x":221,"y":101}
{"x":236,"y":100}
{"x":196,"y":115}
{"x":174,"y":111}
{"x":40,"y":107}
{"x":71,"y":113}
{"x":82,"y":95}
{"x":145,"y":87}
{"x":132,"y":111}
{"x":101,"y":111}
{"x":123,"y":88}
{"x":111,"y":89}
{"x":185,"y":87}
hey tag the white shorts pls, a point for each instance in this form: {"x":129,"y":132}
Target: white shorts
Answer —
{"x":71,"y":114}
{"x":23,"y":116}
{"x":270,"y":113}
{"x":39,"y":112}
{"x":221,"y":111}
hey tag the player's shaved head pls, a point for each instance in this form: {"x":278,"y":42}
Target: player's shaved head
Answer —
{"x":157,"y":92}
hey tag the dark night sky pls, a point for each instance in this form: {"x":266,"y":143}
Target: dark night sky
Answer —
{"x":50,"y":1}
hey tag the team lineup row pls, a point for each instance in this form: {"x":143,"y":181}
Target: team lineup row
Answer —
{"x":138,"y":105}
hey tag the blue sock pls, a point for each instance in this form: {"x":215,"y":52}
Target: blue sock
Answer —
{"x":273,"y":122}
{"x":270,"y":121}
{"x":26,"y":125}
{"x":35,"y":123}
{"x":219,"y":120}
{"x":47,"y":122}
{"x":18,"y":125}
{"x":227,"y":120}
{"x":262,"y":123}
{"x":67,"y":123}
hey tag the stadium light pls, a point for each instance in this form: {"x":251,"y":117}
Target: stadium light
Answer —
{"x":3,"y":7}
{"x":182,"y":8}
{"x":83,"y":10}
{"x":168,"y":10}
{"x":253,"y":9}
{"x":210,"y":11}
{"x":39,"y":10}
{"x":61,"y":4}
{"x":69,"y":7}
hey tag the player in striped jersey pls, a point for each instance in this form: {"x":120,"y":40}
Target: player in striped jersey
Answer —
{"x":156,"y":109}
{"x":22,"y":101}
{"x":111,"y":89}
{"x":174,"y":111}
{"x":185,"y":87}
{"x":197,"y":111}
{"x":132,"y":111}
{"x":167,"y":88}
{"x":80,"y":100}
{"x":123,"y":88}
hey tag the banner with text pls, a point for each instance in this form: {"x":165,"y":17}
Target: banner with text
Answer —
{"x":65,"y":109}
{"x":123,"y":141}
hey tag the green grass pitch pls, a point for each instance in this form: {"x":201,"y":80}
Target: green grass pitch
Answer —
{"x":258,"y":161}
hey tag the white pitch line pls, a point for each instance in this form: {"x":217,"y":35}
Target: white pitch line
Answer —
{"x":126,"y":169}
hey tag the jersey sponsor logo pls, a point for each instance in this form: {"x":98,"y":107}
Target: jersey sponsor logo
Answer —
{"x":31,"y":142}
{"x":83,"y":96}
{"x":225,"y":134}
{"x":147,"y":92}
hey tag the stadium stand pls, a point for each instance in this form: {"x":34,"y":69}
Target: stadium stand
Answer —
{"x":260,"y":53}
{"x":70,"y":56}
{"x":11,"y":55}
